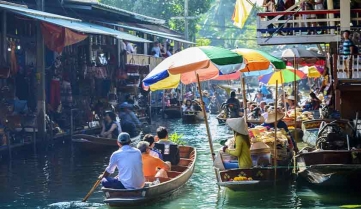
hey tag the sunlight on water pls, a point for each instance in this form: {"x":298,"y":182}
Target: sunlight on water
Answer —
{"x":59,"y":176}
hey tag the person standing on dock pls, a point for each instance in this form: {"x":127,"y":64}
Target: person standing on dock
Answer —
{"x":348,"y":49}
{"x":128,"y":160}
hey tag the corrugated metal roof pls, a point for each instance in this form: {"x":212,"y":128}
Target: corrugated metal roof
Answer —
{"x":151,"y":32}
{"x":74,"y":24}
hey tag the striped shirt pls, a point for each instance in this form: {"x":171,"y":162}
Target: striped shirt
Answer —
{"x":347,"y":44}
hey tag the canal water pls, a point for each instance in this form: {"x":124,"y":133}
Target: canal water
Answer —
{"x":58,"y":176}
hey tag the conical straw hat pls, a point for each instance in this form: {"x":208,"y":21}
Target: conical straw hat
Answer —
{"x":272,"y":116}
{"x":238,"y":125}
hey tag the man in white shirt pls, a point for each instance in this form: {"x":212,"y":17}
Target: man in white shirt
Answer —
{"x":156,"y":49}
{"x":128,"y":160}
{"x":129,"y":47}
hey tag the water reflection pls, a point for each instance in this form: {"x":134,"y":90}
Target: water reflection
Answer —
{"x":59,"y":175}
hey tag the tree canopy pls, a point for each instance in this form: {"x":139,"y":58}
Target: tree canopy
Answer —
{"x":166,"y":10}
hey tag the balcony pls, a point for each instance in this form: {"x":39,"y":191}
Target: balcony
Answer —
{"x":295,"y":31}
{"x":142,"y":59}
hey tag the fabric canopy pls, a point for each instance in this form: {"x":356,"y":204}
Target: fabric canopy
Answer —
{"x":56,"y":37}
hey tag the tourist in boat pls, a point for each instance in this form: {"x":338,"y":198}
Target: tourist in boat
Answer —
{"x":129,"y":121}
{"x":187,"y":106}
{"x":110,"y":127}
{"x":128,"y":161}
{"x":270,"y":122}
{"x":152,"y":166}
{"x":206,"y":99}
{"x":233,"y":105}
{"x":313,"y":103}
{"x":256,"y":114}
{"x":242,"y":141}
{"x":169,"y":150}
{"x":153,"y":152}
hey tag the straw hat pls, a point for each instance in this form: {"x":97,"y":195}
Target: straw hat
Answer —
{"x":205,"y":93}
{"x":238,"y":125}
{"x":272,"y":116}
{"x":291,"y":98}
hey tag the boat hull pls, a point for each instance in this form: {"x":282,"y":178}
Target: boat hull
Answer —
{"x":189,"y":118}
{"x":173,"y":112}
{"x":179,"y":176}
{"x":330,"y":167}
{"x":262,"y":178}
{"x":89,"y":142}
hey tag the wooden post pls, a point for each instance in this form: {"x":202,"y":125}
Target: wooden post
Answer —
{"x":207,"y":126}
{"x":205,"y":118}
{"x":284,"y":97}
{"x":275,"y":142}
{"x":3,"y":41}
{"x":40,"y":65}
{"x":296,"y":101}
{"x":145,"y":36}
{"x":244,"y":99}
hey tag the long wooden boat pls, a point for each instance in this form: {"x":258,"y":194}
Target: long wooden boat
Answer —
{"x":311,"y":128}
{"x":330,"y":167}
{"x":93,"y":142}
{"x":189,"y":117}
{"x":173,"y":111}
{"x":262,"y":177}
{"x":177,"y":177}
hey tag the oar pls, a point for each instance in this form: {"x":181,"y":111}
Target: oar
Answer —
{"x":93,"y":188}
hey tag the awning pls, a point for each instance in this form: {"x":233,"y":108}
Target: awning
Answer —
{"x":71,"y":23}
{"x":152,"y":32}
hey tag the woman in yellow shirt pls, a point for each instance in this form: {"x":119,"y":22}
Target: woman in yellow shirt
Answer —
{"x":243,"y":143}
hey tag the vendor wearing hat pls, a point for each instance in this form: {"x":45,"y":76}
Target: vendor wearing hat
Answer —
{"x":270,"y":122}
{"x":129,"y":121}
{"x":291,"y":102}
{"x":243,"y":143}
{"x":206,"y":99}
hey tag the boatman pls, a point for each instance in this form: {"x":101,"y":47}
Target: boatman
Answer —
{"x":128,"y":160}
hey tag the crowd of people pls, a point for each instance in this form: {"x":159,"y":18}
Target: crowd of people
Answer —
{"x":152,"y":157}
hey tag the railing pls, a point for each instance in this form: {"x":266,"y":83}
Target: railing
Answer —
{"x":342,"y":69}
{"x":293,"y":23}
{"x":142,"y":59}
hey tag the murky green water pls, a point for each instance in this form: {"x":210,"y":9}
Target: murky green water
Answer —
{"x":59,"y":176}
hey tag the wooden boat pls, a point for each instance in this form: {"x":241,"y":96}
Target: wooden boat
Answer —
{"x":262,"y":177}
{"x":330,"y":167}
{"x":93,"y":142}
{"x":311,"y":129}
{"x":189,"y":117}
{"x":221,"y":121}
{"x":173,"y":111}
{"x":178,"y":176}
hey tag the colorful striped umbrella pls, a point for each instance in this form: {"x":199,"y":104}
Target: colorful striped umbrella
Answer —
{"x":311,"y":72}
{"x":206,"y":61}
{"x":257,"y":60}
{"x":283,"y":76}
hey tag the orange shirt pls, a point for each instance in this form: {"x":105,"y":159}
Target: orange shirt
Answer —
{"x":150,"y":165}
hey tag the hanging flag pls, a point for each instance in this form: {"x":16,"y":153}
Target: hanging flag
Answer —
{"x":57,"y":37}
{"x":241,"y":12}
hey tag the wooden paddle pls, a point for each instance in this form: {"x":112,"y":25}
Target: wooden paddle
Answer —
{"x":93,"y":188}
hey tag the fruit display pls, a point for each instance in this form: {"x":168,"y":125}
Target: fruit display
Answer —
{"x":242,"y":178}
{"x":300,"y":116}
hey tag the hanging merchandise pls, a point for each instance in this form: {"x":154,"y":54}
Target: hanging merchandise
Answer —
{"x":13,"y":62}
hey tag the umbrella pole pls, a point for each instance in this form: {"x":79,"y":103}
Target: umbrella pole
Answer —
{"x":275,"y":142}
{"x":207,"y":125}
{"x":244,"y":99}
{"x":296,"y":97}
{"x":284,"y":97}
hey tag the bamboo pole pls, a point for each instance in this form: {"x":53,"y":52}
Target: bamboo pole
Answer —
{"x":207,"y":126}
{"x":296,"y":95}
{"x":244,"y":99}
{"x":284,"y":97}
{"x":275,"y":142}
{"x":205,"y":117}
